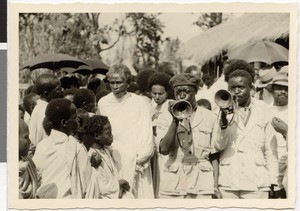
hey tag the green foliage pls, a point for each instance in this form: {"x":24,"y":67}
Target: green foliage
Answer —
{"x":75,"y":34}
{"x":209,"y":20}
{"x":147,"y":29}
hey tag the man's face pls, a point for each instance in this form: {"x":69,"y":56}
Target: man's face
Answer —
{"x":280,"y":94}
{"x":118,"y":85}
{"x":159,"y":94}
{"x":57,"y":91}
{"x":240,"y":88}
{"x":185,"y":93}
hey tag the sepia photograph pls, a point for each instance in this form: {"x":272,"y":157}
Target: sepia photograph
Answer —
{"x":139,"y":104}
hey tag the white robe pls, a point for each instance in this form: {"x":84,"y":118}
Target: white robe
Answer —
{"x":104,"y":181}
{"x":133,"y":140}
{"x":36,"y":130}
{"x":64,"y":166}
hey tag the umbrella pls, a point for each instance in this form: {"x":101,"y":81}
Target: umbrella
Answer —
{"x":53,"y":61}
{"x":97,"y":66}
{"x":262,"y":51}
{"x":82,"y":69}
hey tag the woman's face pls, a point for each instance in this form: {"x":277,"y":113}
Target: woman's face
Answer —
{"x":159,"y":94}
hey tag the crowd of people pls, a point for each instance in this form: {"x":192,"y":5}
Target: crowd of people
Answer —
{"x":121,"y":138}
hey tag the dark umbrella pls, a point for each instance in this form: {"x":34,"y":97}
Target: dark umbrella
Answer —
{"x":54,"y":62}
{"x":82,"y":69}
{"x":97,"y":66}
{"x":262,"y":51}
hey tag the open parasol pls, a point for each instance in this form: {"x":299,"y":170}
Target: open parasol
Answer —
{"x":97,"y":66}
{"x":262,"y":51}
{"x":54,"y":62}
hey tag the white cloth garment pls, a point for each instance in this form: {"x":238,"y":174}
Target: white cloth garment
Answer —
{"x":64,"y":166}
{"x":104,"y":181}
{"x":133,"y":140}
{"x":36,"y":130}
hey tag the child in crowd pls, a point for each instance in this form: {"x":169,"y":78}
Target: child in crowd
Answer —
{"x":69,"y":93}
{"x":104,"y":181}
{"x":85,"y":99}
{"x":29,"y":102}
{"x":28,"y":177}
{"x":62,"y":161}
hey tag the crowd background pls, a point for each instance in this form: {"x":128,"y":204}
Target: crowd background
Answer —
{"x":137,"y":42}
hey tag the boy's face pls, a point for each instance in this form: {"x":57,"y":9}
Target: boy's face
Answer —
{"x":91,"y":106}
{"x":23,"y":138}
{"x":72,"y":123}
{"x":105,"y":138}
{"x":33,"y":102}
{"x":57,"y":91}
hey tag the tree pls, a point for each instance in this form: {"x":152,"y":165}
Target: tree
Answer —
{"x":76,"y":34}
{"x":147,"y":29}
{"x":209,"y":20}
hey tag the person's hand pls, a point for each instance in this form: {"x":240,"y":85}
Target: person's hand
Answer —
{"x":124,"y":187}
{"x":124,"y":184}
{"x":217,"y":194}
{"x":170,"y":108}
{"x":279,"y":125}
{"x":223,"y":119}
{"x":96,"y":160}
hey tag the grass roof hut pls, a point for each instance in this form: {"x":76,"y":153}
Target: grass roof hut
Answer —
{"x":249,"y":27}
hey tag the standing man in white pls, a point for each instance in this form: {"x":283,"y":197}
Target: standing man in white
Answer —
{"x":132,"y":131}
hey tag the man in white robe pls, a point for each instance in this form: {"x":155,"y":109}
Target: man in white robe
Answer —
{"x":130,"y":118}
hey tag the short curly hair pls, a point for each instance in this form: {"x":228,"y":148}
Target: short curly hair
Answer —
{"x":83,"y":95}
{"x":95,"y":124}
{"x":142,"y":79}
{"x":120,"y":69}
{"x":45,"y":82}
{"x":57,"y":110}
{"x":239,"y":68}
{"x":160,"y":78}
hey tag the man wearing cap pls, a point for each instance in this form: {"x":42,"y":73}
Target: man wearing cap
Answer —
{"x":188,"y":145}
{"x":261,"y":84}
{"x":248,"y":160}
{"x":279,"y":88}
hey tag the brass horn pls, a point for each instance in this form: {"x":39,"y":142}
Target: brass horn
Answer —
{"x":224,"y":100}
{"x":182,"y":109}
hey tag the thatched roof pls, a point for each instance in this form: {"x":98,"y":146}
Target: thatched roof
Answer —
{"x":247,"y":28}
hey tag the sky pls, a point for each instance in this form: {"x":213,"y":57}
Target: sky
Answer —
{"x":176,"y":25}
